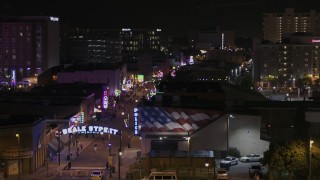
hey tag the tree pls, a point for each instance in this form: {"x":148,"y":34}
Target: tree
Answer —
{"x":289,"y":157}
{"x":233,"y":151}
{"x":276,"y":161}
{"x":295,"y":156}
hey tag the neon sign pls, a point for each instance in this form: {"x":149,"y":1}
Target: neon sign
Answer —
{"x":191,"y":61}
{"x":13,"y":77}
{"x":82,"y":117}
{"x":90,"y":130}
{"x":315,"y":40}
{"x":54,"y":18}
{"x":105,"y":99}
{"x":135,"y":115}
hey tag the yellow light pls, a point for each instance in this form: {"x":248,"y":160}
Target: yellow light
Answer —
{"x":311,"y":142}
{"x":17,"y":135}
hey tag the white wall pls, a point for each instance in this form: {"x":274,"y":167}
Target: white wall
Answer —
{"x":244,"y":134}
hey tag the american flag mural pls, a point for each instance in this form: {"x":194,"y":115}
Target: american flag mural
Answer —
{"x":158,"y":119}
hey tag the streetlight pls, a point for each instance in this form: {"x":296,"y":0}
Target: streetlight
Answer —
{"x":207,"y":165}
{"x":188,"y":139}
{"x":228,"y":124}
{"x":310,"y":169}
{"x":58,"y":135}
{"x":120,"y":154}
{"x":18,"y":138}
{"x":127,"y":125}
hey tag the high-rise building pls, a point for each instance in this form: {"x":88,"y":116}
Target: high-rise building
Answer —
{"x":135,"y":40}
{"x":287,"y":63}
{"x":276,"y":25}
{"x":91,"y":45}
{"x":29,"y":45}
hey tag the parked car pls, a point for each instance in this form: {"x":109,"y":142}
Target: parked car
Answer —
{"x":229,"y":160}
{"x":168,"y":175}
{"x":96,"y":175}
{"x":222,"y":173}
{"x":255,"y":170}
{"x":251,"y":158}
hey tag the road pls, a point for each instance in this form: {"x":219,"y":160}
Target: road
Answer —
{"x":91,"y":159}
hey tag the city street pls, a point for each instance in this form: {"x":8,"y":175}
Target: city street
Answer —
{"x":107,"y":146}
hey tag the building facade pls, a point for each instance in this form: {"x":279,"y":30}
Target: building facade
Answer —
{"x":297,"y":58}
{"x":28,"y":46}
{"x":95,"y":45}
{"x":135,"y":40}
{"x":23,"y":146}
{"x":275,"y":25}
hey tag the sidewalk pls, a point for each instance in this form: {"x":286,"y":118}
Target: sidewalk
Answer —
{"x":53,"y":168}
{"x":128,"y":158}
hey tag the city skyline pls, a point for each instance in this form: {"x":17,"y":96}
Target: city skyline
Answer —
{"x":177,"y":17}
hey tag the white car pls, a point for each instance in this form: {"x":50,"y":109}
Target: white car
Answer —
{"x":222,"y":173}
{"x":251,"y":158}
{"x":229,"y":160}
{"x":96,"y":175}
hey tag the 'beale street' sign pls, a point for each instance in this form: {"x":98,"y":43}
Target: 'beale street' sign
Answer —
{"x":90,"y":130}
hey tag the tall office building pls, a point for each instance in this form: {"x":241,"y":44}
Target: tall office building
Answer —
{"x":277,"y":25}
{"x":288,"y":62}
{"x":29,"y":45}
{"x":135,"y":40}
{"x":91,"y":45}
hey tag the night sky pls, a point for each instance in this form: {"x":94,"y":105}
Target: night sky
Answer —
{"x":174,"y":16}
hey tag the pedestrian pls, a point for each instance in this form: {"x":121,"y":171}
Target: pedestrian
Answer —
{"x":95,"y":148}
{"x":77,"y":153}
{"x":77,"y":149}
{"x":81,"y":146}
{"x":107,"y":165}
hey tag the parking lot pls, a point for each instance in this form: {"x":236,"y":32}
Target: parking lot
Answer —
{"x":240,"y":171}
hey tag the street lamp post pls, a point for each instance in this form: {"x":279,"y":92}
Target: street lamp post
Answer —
{"x":69,"y":144}
{"x":188,"y":139}
{"x":127,"y":125}
{"x":228,"y":125}
{"x":310,"y":168}
{"x":18,"y":139}
{"x":58,"y":135}
{"x":119,"y":155}
{"x":207,"y":166}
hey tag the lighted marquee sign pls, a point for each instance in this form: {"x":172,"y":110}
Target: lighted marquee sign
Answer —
{"x":82,"y":117}
{"x":13,"y":77}
{"x":54,"y":18}
{"x":191,"y":61}
{"x":135,"y":115}
{"x":315,"y":40}
{"x":90,"y":130}
{"x":105,"y":99}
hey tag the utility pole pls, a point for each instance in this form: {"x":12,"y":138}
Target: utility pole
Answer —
{"x":18,"y":138}
{"x":119,"y":155}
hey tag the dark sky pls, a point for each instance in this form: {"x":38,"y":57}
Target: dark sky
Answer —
{"x":176,"y":16}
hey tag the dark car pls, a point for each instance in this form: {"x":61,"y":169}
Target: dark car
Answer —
{"x":255,"y":170}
